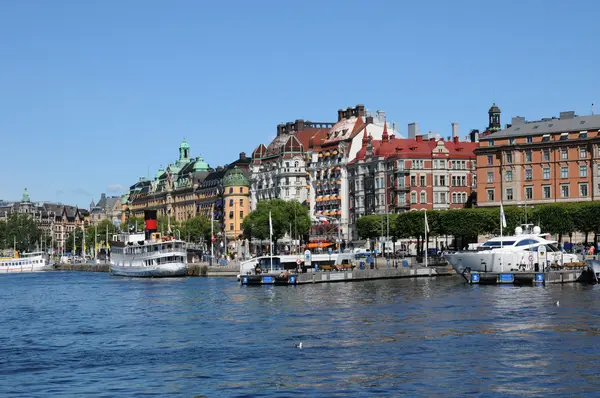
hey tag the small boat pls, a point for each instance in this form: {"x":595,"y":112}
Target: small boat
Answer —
{"x":148,"y":254}
{"x":25,"y":262}
{"x":527,"y":250}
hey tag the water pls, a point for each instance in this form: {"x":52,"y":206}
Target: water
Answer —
{"x":89,"y":334}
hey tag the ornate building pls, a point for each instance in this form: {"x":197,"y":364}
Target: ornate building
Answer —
{"x":393,"y":175}
{"x":54,"y":219}
{"x":236,"y":195}
{"x":329,"y":188}
{"x":550,"y":160}
{"x":279,"y":170}
{"x":190,"y":187}
{"x":107,"y":208}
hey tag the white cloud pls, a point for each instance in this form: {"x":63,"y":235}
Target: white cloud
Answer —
{"x":116,"y":188}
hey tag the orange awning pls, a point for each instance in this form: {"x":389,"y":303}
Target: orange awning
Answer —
{"x":315,"y":245}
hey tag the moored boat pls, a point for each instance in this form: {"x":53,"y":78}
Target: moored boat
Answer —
{"x":148,"y":254}
{"x":25,"y":262}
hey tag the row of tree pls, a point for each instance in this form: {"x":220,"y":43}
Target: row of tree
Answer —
{"x":562,"y":219}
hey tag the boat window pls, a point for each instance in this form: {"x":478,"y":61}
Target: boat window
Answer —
{"x":526,"y":242}
{"x":552,"y":247}
{"x":498,"y":243}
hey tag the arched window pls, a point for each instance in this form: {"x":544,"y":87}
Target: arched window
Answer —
{"x":464,"y":197}
{"x":454,"y":197}
{"x":423,"y":197}
{"x":413,"y":197}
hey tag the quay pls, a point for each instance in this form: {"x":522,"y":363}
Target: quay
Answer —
{"x":347,"y":276}
{"x":581,"y":275}
{"x":193,"y":269}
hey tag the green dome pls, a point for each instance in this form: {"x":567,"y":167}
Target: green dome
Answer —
{"x":159,"y":172}
{"x":124,"y":199}
{"x":235,"y":178}
{"x":184,"y":145}
{"x":26,"y":196}
{"x":200,"y":164}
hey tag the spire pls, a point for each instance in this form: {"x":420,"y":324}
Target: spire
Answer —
{"x":385,"y":137}
{"x":365,"y":138}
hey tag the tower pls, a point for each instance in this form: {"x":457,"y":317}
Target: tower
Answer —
{"x":184,"y":151}
{"x":494,"y":118}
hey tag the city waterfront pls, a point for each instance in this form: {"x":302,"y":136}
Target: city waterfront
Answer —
{"x":78,"y":333}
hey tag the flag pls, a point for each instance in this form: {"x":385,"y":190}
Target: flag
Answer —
{"x":270,"y":224}
{"x":426,"y":223}
{"x":213,"y":238}
{"x":502,"y":218}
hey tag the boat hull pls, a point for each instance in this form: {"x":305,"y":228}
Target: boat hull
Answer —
{"x":504,"y":261}
{"x":159,"y":271}
{"x":25,"y":269}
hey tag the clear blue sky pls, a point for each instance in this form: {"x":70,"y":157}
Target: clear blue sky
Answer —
{"x":93,"y":93}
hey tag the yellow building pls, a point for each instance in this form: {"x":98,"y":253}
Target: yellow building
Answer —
{"x":236,"y":195}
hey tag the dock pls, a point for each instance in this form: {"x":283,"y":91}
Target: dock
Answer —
{"x":347,"y":276}
{"x":529,"y":278}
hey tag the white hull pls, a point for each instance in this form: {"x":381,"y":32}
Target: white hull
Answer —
{"x":157,"y":271}
{"x":25,"y":268}
{"x":26,"y":263}
{"x":500,"y":260}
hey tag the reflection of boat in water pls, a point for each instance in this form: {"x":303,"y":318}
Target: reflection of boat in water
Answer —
{"x":148,"y":254}
{"x":594,"y":268}
{"x":25,"y":262}
{"x":526,"y":250}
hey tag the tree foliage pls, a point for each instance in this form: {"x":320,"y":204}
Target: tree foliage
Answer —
{"x":20,"y":231}
{"x":284,"y":215}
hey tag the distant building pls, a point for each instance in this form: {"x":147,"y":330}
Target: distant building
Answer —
{"x":55,"y":220}
{"x":107,"y":208}
{"x":550,"y":160}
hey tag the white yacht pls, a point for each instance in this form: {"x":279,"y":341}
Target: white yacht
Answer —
{"x":523,"y":251}
{"x":148,"y":254}
{"x":25,"y":262}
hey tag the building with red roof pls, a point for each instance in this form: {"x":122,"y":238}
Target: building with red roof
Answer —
{"x":393,"y":175}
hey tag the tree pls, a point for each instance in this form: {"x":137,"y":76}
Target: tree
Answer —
{"x":196,"y":229}
{"x":78,"y":242}
{"x":21,"y":231}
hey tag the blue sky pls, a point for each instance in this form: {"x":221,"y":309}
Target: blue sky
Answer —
{"x":93,"y":94}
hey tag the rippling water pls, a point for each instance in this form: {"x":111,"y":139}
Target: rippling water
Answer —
{"x":66,"y":333}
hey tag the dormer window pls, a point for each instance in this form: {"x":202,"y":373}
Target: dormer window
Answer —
{"x":564,"y":136}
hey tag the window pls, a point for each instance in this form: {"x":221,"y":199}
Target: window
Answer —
{"x":511,"y":141}
{"x":582,"y":135}
{"x":564,"y":191}
{"x":435,"y":164}
{"x":454,"y":181}
{"x":422,"y":181}
{"x":241,"y":202}
{"x":435,"y":181}
{"x":241,"y":189}
{"x":490,"y":159}
{"x":528,"y":192}
{"x":490,"y":176}
{"x":230,"y":189}
{"x":491,"y":143}
{"x":413,"y":197}
{"x":413,"y":181}
{"x":583,"y":171}
{"x":241,"y":214}
{"x":443,"y":181}
{"x":490,"y":194}
{"x":583,"y":190}
{"x":509,"y":194}
{"x":546,"y":138}
{"x":454,"y":197}
{"x":231,"y":214}
{"x":423,"y":197}
{"x":529,"y":140}
{"x":546,"y":190}
{"x":582,"y":152}
{"x":509,"y":158}
{"x":231,"y":227}
{"x":528,"y":156}
{"x":528,"y":174}
{"x":564,"y":172}
{"x":443,"y":197}
{"x":508,"y":175}
{"x":564,"y":136}
{"x":230,"y":202}
{"x":442,"y":164}
{"x":546,"y":173}
{"x":546,"y":155}
{"x":564,"y":154}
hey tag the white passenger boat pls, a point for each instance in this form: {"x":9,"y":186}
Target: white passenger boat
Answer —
{"x":527,"y":250}
{"x":25,"y":262}
{"x":148,"y":254}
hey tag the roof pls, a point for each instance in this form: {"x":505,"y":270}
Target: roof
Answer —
{"x":344,"y":130}
{"x":548,"y":126}
{"x":494,"y":109}
{"x":416,"y":148}
{"x":235,"y":177}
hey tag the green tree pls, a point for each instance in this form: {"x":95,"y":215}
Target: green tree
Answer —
{"x":21,"y":231}
{"x":78,"y":242}
{"x":196,"y":229}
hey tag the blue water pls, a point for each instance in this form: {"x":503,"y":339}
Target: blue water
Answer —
{"x":89,"y":334}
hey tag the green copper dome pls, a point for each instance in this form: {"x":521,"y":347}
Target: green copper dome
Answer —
{"x":159,"y":172}
{"x":184,"y":145}
{"x":200,"y":164}
{"x":26,"y":196}
{"x":235,"y":178}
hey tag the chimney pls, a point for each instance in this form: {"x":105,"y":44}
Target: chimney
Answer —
{"x":369,"y":120}
{"x":150,"y":223}
{"x":412,"y":130}
{"x":455,"y":132}
{"x":474,"y":135}
{"x":380,"y":116}
{"x":299,"y":125}
{"x":419,"y":138}
{"x":360,"y":110}
{"x":455,"y":139}
{"x":392,"y":136}
{"x":242,"y":155}
{"x":340,"y":114}
{"x":103,"y":196}
{"x":279,"y":129}
{"x":517,"y":120}
{"x":567,"y":115}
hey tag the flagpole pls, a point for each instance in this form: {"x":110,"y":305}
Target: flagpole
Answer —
{"x":271,"y":239}
{"x":212,"y":235}
{"x":426,"y":239}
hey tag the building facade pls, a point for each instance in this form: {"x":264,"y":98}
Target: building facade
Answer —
{"x":236,"y":195}
{"x":278,"y":171}
{"x":550,"y":160}
{"x":329,"y":158}
{"x":394,"y":175}
{"x":55,"y":220}
{"x":107,"y":208}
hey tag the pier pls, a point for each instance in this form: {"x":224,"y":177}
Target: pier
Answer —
{"x":529,"y":278}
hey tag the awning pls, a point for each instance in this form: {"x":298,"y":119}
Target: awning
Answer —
{"x":315,"y":245}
